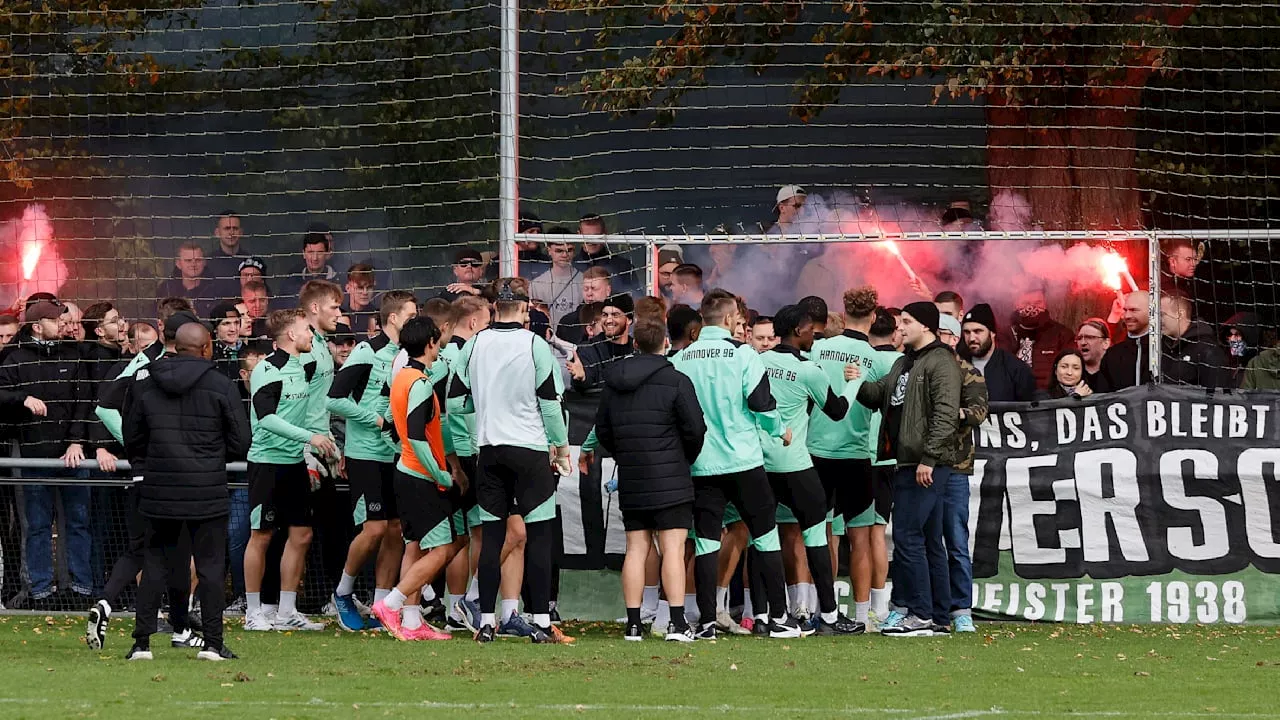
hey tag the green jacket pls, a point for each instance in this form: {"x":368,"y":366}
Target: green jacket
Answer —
{"x":357,"y":395}
{"x":930,"y":399}
{"x":458,"y":427}
{"x":732,"y":388}
{"x":279,"y":404}
{"x":851,"y":437}
{"x":973,"y":405}
{"x":319,"y":366}
{"x":1263,"y":372}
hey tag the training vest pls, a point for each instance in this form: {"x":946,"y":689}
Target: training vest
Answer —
{"x":415,"y":410}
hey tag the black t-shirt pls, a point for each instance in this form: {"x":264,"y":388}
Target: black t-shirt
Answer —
{"x":893,"y":415}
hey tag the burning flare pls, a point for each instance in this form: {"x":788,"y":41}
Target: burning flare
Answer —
{"x":30,"y":258}
{"x":1114,"y":268}
{"x":892,"y":247}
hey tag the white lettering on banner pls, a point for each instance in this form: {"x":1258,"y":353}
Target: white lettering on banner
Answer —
{"x":1091,"y":428}
{"x":1213,"y":518}
{"x":1203,"y":421}
{"x":1023,"y":509}
{"x":990,"y":433}
{"x":1175,"y":601}
{"x":1120,"y":507}
{"x":1252,"y":470}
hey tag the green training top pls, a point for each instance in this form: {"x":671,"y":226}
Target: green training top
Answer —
{"x":279,"y":402}
{"x":458,"y":427}
{"x":357,"y":395}
{"x":729,"y":379}
{"x":796,"y":385}
{"x":319,"y":366}
{"x":849,"y":438}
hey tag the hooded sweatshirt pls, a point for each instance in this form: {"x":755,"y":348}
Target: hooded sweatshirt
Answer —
{"x":183,"y":418}
{"x":1263,"y":372}
{"x":649,"y":419}
{"x":1195,"y":359}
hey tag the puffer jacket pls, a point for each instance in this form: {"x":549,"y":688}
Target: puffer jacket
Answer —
{"x":649,"y":419}
{"x":930,"y":409}
{"x":51,"y":372}
{"x":184,"y":418}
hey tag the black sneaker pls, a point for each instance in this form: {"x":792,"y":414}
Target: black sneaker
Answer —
{"x":760,"y":627}
{"x":555,"y":615}
{"x":685,"y":636}
{"x":485,"y":634}
{"x":187,"y":639}
{"x":941,"y":629}
{"x":789,"y":628}
{"x":95,"y":633}
{"x":223,"y":653}
{"x":842,"y":626}
{"x":432,"y":610}
{"x":635,"y":633}
{"x":706,"y":632}
{"x":139,"y":652}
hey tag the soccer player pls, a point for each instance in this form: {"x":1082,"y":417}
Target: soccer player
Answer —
{"x":796,"y":384}
{"x":357,"y":396}
{"x":842,"y":451}
{"x":734,"y":393}
{"x":422,"y":485}
{"x":507,"y":376}
{"x":279,"y":487}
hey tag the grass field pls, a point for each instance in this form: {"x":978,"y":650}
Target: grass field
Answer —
{"x":1013,"y":671}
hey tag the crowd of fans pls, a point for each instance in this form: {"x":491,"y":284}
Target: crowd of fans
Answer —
{"x":56,"y":360}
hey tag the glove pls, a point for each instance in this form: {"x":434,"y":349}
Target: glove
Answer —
{"x":612,"y":485}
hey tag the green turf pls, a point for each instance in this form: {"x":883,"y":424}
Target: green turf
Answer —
{"x":1003,"y":671}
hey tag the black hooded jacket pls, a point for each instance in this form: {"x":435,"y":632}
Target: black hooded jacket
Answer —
{"x":1196,"y":358}
{"x":649,"y":419}
{"x":184,"y":418}
{"x":51,"y":372}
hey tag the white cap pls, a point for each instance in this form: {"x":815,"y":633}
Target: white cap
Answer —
{"x":786,"y":192}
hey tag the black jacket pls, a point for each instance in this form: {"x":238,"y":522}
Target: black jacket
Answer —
{"x":1125,"y":365}
{"x":597,"y":355}
{"x":227,"y":359}
{"x":649,"y":419}
{"x":1008,"y":378}
{"x":1195,"y":359}
{"x":184,"y":418}
{"x":50,"y":372}
{"x":99,"y":362}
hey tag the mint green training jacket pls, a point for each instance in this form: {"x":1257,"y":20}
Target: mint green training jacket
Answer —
{"x":797,"y":385}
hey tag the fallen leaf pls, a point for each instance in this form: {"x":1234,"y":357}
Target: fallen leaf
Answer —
{"x":1142,"y":673}
{"x":158,"y":678}
{"x":733,"y":666}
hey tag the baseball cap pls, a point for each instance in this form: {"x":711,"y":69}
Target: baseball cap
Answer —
{"x":947,"y":323}
{"x":253,"y":262}
{"x":44,"y":310}
{"x":222,"y":311}
{"x":176,"y":321}
{"x":467,"y":255}
{"x":670,"y":254}
{"x":786,"y":192}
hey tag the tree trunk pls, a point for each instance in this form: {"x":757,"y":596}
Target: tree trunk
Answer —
{"x":1076,"y":169}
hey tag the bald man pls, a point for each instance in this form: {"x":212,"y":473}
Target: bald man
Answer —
{"x":184,"y":419}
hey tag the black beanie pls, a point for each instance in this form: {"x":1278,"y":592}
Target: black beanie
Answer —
{"x":925,"y":313}
{"x":982,"y":315}
{"x":623,"y":302}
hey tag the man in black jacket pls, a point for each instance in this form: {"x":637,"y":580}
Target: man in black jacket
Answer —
{"x":1128,"y":362}
{"x":183,"y":417}
{"x":43,"y":374}
{"x":1008,"y":378}
{"x":1190,"y":351}
{"x":650,"y":421}
{"x":595,"y":357}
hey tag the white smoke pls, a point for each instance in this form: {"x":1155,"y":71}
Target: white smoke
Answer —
{"x":33,"y":232}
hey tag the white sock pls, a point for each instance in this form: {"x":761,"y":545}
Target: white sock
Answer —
{"x":722,"y":599}
{"x":829,"y":617}
{"x":253,"y":601}
{"x":860,"y":611}
{"x":428,"y":592}
{"x":346,"y":585}
{"x":270,"y":609}
{"x":542,"y":620}
{"x":449,"y":600}
{"x":746,"y":603}
{"x":473,"y":589}
{"x":288,"y":603}
{"x":411,"y":617}
{"x":509,"y":608}
{"x":664,"y":614}
{"x":552,"y":605}
{"x":380,"y":594}
{"x":880,"y":601}
{"x":811,"y":597}
{"x":793,"y":600}
{"x":487,"y":619}
{"x":649,"y":601}
{"x":394,"y":599}
{"x":691,"y":609}
{"x":191,"y":602}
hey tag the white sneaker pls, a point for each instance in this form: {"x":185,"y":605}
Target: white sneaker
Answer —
{"x":683,"y":636}
{"x":187,"y":639}
{"x":296,"y":621}
{"x":364,"y":609}
{"x":257,"y":621}
{"x":329,"y":609}
{"x":271,"y":611}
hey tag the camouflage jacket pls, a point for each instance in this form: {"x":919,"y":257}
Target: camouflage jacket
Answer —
{"x":973,"y":409}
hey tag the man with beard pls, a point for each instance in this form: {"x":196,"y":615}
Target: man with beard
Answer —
{"x":1008,"y":378}
{"x":612,"y":345}
{"x":1035,"y":337}
{"x":1127,"y":363}
{"x":669,"y":257}
{"x":1092,"y":340}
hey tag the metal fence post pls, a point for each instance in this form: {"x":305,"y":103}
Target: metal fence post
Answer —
{"x":509,"y":140}
{"x":1153,"y":308}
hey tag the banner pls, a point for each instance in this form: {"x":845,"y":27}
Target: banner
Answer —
{"x":1155,"y":504}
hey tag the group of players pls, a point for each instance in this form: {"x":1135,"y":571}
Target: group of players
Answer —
{"x":455,"y":436}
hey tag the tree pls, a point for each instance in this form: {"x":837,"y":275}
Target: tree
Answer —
{"x":56,"y":60}
{"x":1062,"y":82}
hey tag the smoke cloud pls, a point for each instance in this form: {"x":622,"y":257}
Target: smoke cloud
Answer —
{"x":29,"y":238}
